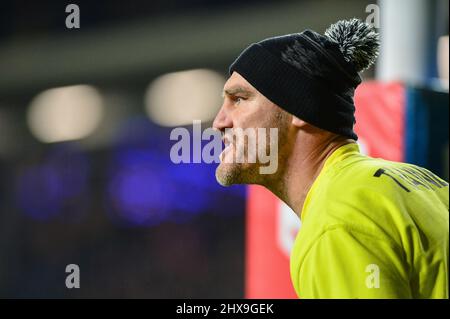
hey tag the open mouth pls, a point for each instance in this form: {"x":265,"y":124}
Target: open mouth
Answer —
{"x":227,"y":147}
{"x":226,"y":141}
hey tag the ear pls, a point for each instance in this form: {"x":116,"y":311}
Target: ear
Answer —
{"x":298,"y":122}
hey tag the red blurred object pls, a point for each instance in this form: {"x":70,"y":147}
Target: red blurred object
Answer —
{"x":380,"y":119}
{"x":267,"y":266}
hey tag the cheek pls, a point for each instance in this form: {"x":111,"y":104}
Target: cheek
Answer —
{"x":250,"y":114}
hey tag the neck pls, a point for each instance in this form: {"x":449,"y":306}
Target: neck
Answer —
{"x":303,"y":167}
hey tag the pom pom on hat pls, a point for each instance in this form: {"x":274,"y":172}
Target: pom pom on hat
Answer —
{"x":357,"y":40}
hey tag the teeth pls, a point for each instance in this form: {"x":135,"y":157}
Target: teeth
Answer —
{"x":222,"y":154}
{"x":226,"y":141}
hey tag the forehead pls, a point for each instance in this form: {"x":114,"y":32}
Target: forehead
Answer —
{"x":237,"y":80}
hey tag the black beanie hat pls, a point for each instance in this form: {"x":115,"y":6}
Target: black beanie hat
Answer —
{"x":313,"y":76}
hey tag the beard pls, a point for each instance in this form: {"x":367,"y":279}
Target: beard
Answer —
{"x":230,"y":173}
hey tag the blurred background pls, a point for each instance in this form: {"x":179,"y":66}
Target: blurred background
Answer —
{"x":85,"y":119}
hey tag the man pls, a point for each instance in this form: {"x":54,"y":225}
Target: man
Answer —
{"x":370,"y":228}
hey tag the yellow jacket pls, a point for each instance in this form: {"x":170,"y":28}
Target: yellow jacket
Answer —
{"x":372,"y":229}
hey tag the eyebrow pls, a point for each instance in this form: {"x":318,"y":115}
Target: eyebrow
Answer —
{"x":236,"y":90}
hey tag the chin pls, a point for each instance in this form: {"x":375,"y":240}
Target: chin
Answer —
{"x":228,"y":174}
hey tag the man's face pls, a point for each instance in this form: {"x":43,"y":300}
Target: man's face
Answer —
{"x":246,"y":110}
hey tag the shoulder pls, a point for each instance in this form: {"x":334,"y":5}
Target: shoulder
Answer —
{"x":367,"y":175}
{"x":354,"y":186}
{"x":352,"y":197}
{"x":360,"y":174}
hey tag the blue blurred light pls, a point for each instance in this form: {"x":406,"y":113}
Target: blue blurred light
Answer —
{"x":143,"y":189}
{"x":146,"y":188}
{"x":134,"y":195}
{"x":55,"y":186}
{"x":37,"y":192}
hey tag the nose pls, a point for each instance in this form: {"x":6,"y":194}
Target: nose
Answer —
{"x":223,"y":119}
